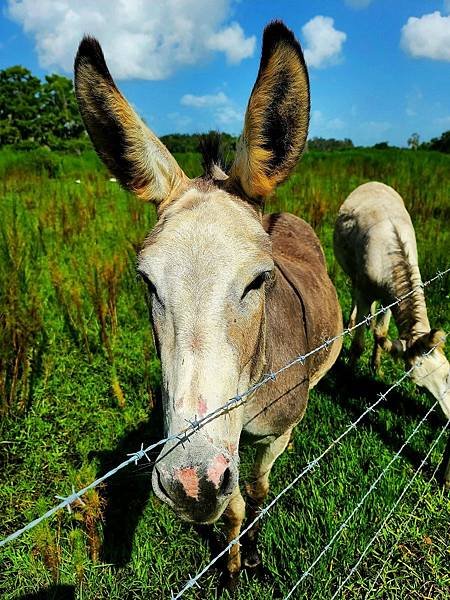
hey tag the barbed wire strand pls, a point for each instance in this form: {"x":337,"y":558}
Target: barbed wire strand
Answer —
{"x":360,"y":503}
{"x":195,"y":424}
{"x":392,"y":509}
{"x":309,"y":467}
{"x":405,"y":522}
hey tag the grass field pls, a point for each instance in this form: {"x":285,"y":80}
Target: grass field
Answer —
{"x":79,"y":379}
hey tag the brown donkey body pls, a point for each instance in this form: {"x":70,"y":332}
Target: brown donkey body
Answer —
{"x":234,"y":295}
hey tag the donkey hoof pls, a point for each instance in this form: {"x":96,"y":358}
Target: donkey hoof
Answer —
{"x":252,"y":560}
{"x":229,"y":581}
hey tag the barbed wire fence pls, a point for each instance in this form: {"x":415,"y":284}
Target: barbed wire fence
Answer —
{"x":196,"y":424}
{"x":413,"y":511}
{"x":309,"y":467}
{"x":395,"y":505}
{"x":359,"y":505}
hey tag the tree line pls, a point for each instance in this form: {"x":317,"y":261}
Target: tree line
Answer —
{"x":36,"y":113}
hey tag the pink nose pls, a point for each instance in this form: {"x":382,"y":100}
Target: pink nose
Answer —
{"x":188,"y":478}
{"x":217,"y":469}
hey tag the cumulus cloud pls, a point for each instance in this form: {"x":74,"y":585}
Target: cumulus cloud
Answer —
{"x":204,"y":101}
{"x":146,"y":40}
{"x":358,"y":3}
{"x":219,"y":106}
{"x":323,"y":43}
{"x":233,"y":43}
{"x":427,"y":36}
{"x":322,"y":125}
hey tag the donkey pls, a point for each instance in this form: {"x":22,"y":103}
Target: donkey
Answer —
{"x":375,"y":243}
{"x":233,"y":294}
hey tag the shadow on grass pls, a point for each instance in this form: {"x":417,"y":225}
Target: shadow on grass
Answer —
{"x":128,"y":491}
{"x":54,"y":592}
{"x":355,"y":391}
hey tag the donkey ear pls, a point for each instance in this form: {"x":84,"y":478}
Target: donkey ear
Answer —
{"x":277,"y":117}
{"x":130,"y":150}
{"x":434,"y":339}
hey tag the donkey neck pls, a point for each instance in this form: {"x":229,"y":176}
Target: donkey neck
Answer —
{"x":411,"y":313}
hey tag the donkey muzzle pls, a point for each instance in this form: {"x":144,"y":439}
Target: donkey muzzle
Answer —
{"x":196,"y":482}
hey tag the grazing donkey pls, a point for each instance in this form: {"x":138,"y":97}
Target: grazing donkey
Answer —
{"x":234,"y":295}
{"x":375,"y":244}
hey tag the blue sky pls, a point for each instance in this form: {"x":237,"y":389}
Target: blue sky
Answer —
{"x":379,"y":69}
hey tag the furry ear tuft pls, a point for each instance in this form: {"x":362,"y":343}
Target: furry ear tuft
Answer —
{"x":277,"y":117}
{"x":436,"y":338}
{"x":130,"y":150}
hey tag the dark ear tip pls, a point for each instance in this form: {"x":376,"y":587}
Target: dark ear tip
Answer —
{"x":275,"y":32}
{"x":90,"y":52}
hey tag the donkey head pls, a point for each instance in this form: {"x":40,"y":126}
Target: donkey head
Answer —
{"x":207,"y":263}
{"x":430,"y":368}
{"x":431,"y":371}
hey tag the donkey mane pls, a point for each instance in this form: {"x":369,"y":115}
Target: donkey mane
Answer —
{"x":406,"y":277}
{"x":213,"y":161}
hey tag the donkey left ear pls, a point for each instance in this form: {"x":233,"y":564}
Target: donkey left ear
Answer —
{"x":138,"y":159}
{"x":277,"y":117}
{"x":434,"y":339}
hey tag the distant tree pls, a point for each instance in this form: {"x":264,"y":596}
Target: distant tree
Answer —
{"x":381,"y":146}
{"x":32,"y":111}
{"x":19,"y":105}
{"x":185,"y":142}
{"x":441,"y":144}
{"x":60,"y":116}
{"x":326,"y":144}
{"x":414,"y":141}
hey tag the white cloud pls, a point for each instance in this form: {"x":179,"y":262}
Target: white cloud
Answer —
{"x":182,"y":121}
{"x":229,"y":115}
{"x":323,"y":43}
{"x":204,"y":101}
{"x":323,"y":126}
{"x":427,"y":36}
{"x":233,"y":42}
{"x":141,"y":39}
{"x":219,"y":106}
{"x":358,"y":3}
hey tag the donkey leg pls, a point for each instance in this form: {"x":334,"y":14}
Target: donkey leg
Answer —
{"x":358,"y":342}
{"x":380,"y":331}
{"x":353,"y":311}
{"x":234,"y":515}
{"x":257,"y":490}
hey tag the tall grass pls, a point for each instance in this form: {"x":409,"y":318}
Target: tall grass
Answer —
{"x":78,"y":374}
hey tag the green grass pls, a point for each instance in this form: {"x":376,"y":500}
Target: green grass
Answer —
{"x":79,"y":378}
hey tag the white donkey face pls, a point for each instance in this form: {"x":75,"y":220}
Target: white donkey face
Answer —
{"x":433,"y":373}
{"x":433,"y":370}
{"x":207,"y":269}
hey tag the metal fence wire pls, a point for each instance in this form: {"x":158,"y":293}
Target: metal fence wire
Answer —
{"x":195,"y":424}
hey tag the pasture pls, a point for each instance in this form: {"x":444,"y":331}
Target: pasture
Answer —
{"x":79,"y":384}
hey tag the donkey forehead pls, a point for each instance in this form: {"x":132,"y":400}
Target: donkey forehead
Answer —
{"x":209,"y":233}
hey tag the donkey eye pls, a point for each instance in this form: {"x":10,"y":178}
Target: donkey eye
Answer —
{"x":150,"y":286}
{"x":256,"y":284}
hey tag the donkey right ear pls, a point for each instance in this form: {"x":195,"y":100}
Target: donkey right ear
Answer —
{"x":277,"y":117}
{"x":130,"y":150}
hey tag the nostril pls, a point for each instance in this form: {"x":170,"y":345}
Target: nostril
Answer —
{"x":225,"y":484}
